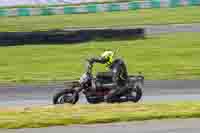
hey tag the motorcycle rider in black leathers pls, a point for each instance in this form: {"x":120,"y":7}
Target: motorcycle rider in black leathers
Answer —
{"x":119,"y":74}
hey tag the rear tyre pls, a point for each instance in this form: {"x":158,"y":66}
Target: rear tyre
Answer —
{"x":66,"y":96}
{"x":136,"y":94}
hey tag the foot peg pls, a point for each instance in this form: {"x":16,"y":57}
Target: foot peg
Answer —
{"x":111,"y":85}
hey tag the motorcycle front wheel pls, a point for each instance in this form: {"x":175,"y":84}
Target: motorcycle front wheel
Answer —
{"x":66,"y":96}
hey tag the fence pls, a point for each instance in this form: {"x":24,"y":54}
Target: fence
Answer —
{"x":93,"y":8}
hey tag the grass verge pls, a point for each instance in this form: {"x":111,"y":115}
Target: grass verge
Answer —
{"x":125,"y":18}
{"x":88,"y":114}
{"x":173,"y":56}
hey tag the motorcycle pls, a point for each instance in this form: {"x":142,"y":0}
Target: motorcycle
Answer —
{"x":97,"y":88}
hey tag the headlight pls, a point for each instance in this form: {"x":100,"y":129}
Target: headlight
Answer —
{"x":84,"y":78}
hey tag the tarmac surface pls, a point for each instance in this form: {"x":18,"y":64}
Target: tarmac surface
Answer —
{"x":154,"y":91}
{"x":149,"y":29}
{"x":171,"y":28}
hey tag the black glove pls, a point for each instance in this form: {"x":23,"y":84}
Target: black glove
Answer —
{"x":97,"y":59}
{"x":90,"y":60}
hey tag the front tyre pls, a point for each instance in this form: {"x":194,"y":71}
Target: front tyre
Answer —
{"x":70,"y":96}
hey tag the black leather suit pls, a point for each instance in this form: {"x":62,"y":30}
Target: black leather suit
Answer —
{"x":119,"y":77}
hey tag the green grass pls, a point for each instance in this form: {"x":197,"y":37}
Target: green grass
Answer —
{"x":126,"y":18}
{"x":88,"y":114}
{"x":174,"y":56}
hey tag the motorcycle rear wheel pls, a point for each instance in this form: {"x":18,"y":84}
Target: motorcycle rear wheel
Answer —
{"x":136,"y":94}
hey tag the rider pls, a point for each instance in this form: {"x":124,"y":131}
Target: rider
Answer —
{"x":119,"y":73}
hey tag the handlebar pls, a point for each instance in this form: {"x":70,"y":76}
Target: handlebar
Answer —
{"x":89,"y":66}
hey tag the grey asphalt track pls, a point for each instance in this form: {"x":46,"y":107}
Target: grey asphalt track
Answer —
{"x":153,"y":126}
{"x":154,"y":91}
{"x":171,"y":28}
{"x":150,"y":29}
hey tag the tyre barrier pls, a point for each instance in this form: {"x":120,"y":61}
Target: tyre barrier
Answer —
{"x":68,"y":36}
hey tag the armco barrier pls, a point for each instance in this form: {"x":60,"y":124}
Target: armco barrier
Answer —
{"x":68,"y":36}
{"x":93,"y":8}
